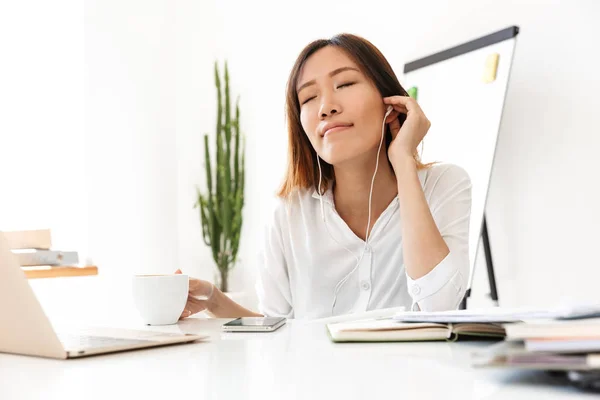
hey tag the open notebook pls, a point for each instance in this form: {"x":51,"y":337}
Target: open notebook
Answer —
{"x":388,"y":330}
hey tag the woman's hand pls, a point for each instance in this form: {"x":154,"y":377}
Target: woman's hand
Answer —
{"x":405,"y":139}
{"x":199,"y":296}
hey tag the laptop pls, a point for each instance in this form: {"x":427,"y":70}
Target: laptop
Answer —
{"x":27,"y":330}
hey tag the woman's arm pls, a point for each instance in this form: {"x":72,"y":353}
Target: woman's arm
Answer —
{"x":422,"y":243}
{"x":435,"y":236}
{"x":221,"y":306}
{"x":205,"y":296}
{"x":435,"y":230}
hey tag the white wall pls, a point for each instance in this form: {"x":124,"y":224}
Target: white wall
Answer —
{"x":130,"y":135}
{"x":42,"y":160}
{"x":147,"y":84}
{"x":544,"y":198}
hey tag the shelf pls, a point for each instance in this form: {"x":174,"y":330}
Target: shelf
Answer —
{"x":58,"y":272}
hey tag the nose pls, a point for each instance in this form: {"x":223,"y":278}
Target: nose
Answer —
{"x":328,"y":109}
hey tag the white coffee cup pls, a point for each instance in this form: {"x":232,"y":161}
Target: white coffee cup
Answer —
{"x":160,"y":299}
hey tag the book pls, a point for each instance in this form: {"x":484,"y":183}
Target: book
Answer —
{"x":29,"y":239}
{"x":514,"y":354}
{"x":46,"y":257}
{"x":389,"y":330}
{"x":561,"y":345}
{"x":558,"y":329}
{"x":564,"y":345}
{"x":557,"y":336}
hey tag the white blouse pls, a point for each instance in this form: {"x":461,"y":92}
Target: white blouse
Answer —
{"x":300,"y":264}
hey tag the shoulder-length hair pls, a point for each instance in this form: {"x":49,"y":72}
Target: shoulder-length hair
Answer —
{"x":302,"y":169}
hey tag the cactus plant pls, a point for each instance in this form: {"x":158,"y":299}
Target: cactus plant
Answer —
{"x":221,"y":206}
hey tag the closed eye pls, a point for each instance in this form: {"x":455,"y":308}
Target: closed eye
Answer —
{"x":346,"y":84}
{"x":307,"y":100}
{"x":339,"y":87}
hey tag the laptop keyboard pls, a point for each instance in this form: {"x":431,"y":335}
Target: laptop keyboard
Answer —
{"x":71,"y":341}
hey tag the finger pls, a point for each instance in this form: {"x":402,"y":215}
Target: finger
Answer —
{"x":191,"y":310}
{"x":192,"y":307}
{"x":394,"y":128}
{"x":408,"y":102}
{"x":399,"y":109}
{"x":398,"y":100}
{"x":200,"y":288}
{"x":186,"y":313}
{"x":195,"y":305}
{"x":195,"y":284}
{"x":193,"y":302}
{"x":392,"y":117}
{"x":178,"y":271}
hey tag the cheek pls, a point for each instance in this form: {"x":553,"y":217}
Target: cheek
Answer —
{"x":365,"y":105}
{"x":372,"y":115}
{"x":308,"y":124}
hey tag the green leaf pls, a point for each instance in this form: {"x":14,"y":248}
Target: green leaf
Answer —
{"x":205,"y":221}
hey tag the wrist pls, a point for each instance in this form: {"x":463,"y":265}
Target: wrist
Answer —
{"x":403,"y":161}
{"x":215,"y":298}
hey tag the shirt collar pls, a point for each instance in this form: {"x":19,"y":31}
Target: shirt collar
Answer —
{"x":327,"y":196}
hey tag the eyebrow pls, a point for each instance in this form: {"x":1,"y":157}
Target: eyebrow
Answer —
{"x":332,"y":73}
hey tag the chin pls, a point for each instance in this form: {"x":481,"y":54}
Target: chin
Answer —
{"x":341,"y":154}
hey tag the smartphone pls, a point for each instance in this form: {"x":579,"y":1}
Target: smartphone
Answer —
{"x":254,"y":324}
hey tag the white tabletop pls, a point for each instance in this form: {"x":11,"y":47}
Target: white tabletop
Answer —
{"x":296,"y":362}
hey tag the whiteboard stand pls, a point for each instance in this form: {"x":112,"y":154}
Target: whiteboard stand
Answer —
{"x":487,"y":250}
{"x":488,"y":260}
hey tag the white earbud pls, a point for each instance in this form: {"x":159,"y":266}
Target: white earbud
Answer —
{"x":358,"y":260}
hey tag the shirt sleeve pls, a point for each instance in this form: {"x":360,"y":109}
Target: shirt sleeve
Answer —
{"x":273,"y":284}
{"x":449,"y":198}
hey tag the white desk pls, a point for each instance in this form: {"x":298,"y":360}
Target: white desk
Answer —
{"x":296,"y":362}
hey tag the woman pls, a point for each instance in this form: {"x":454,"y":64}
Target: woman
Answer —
{"x":359,"y":226}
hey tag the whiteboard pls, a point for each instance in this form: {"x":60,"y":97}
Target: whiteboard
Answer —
{"x":465,"y":111}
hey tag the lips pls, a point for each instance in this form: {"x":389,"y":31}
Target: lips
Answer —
{"x":334,"y":127}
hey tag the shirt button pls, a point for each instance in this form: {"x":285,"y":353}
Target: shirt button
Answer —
{"x":365,"y":285}
{"x":416,"y":289}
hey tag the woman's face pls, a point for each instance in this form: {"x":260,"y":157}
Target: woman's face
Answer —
{"x":334,"y":93}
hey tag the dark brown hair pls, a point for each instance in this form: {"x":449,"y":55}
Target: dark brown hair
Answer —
{"x":302,"y":169}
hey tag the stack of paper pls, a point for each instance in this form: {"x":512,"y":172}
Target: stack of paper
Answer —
{"x":497,"y":314}
{"x":548,"y":345}
{"x":576,"y":336}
